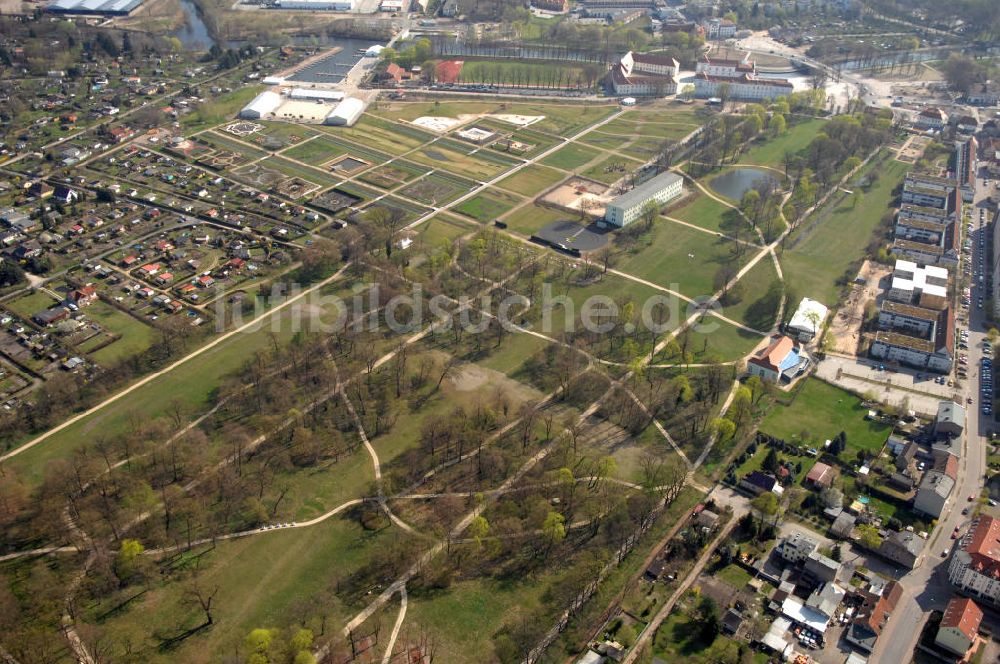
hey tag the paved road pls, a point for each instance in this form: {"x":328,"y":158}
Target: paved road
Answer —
{"x":926,"y":588}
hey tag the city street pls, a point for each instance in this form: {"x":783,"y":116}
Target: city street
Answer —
{"x":926,"y":588}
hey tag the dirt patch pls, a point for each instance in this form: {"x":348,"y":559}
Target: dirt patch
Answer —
{"x":846,"y":325}
{"x":473,"y":377}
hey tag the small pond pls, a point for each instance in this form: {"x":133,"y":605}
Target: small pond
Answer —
{"x":734,"y":183}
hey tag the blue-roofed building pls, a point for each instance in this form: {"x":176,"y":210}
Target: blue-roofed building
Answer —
{"x":782,"y":359}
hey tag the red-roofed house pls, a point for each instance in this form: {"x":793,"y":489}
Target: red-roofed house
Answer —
{"x":396,"y":73}
{"x":820,"y":475}
{"x":150,"y":269}
{"x":975,"y":566}
{"x":780,"y":359}
{"x":81,"y":297}
{"x":872,"y":616}
{"x":959,"y":626}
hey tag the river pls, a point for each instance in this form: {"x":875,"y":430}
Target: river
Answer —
{"x":194,"y":34}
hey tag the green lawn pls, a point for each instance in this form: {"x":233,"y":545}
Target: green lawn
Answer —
{"x":316,"y":151}
{"x":714,"y":339}
{"x":135,"y":335}
{"x":819,"y":412}
{"x":571,"y":157}
{"x":437,"y":188}
{"x":755,"y":309}
{"x":392,"y":137}
{"x":463,"y":619}
{"x":563,"y":118}
{"x":220,"y":108}
{"x":830,"y":241}
{"x":191,"y":384}
{"x":28,"y":305}
{"x":488,"y":205}
{"x":521,"y":72}
{"x":771,"y":152}
{"x":612,"y":169}
{"x":734,"y":575}
{"x":294,"y":169}
{"x":531,"y":180}
{"x":481,"y":166}
{"x":226,"y":142}
{"x":259,"y":579}
{"x":441,"y":230}
{"x":681,"y":258}
{"x":706,"y":212}
{"x":559,"y":315}
{"x":678,"y":641}
{"x":530,"y":218}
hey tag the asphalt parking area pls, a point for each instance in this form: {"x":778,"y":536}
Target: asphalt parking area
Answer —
{"x":575,"y":235}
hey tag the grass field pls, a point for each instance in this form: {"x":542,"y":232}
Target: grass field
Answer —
{"x":681,"y":258}
{"x":28,"y":305}
{"x":772,"y":151}
{"x":389,"y":176}
{"x":392,"y":137}
{"x":294,"y":169}
{"x":316,"y":151}
{"x":612,"y":169}
{"x":488,"y":205}
{"x":225,"y":142}
{"x":754,"y":309}
{"x":826,"y":244}
{"x":532,"y":180}
{"x":135,"y":335}
{"x":559,"y":118}
{"x":821,"y":411}
{"x":571,"y":157}
{"x":258,"y":578}
{"x":529,"y":219}
{"x":437,"y":189}
{"x":535,"y":73}
{"x":559,"y":314}
{"x":441,"y":230}
{"x":704,"y":211}
{"x":221,"y":108}
{"x":716,"y":340}
{"x":192,"y":384}
{"x":482,"y":166}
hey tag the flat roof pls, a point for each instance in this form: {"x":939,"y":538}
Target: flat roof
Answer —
{"x":647,"y":189}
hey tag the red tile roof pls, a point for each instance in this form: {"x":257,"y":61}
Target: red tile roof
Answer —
{"x":880,"y":608}
{"x":963,"y":614}
{"x":818,"y":473}
{"x":771,"y":357}
{"x":984,"y":546}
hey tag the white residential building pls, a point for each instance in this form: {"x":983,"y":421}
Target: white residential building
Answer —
{"x":644,"y":75}
{"x":797,"y":548}
{"x":726,"y":67}
{"x":657,"y":191}
{"x":745,"y":87}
